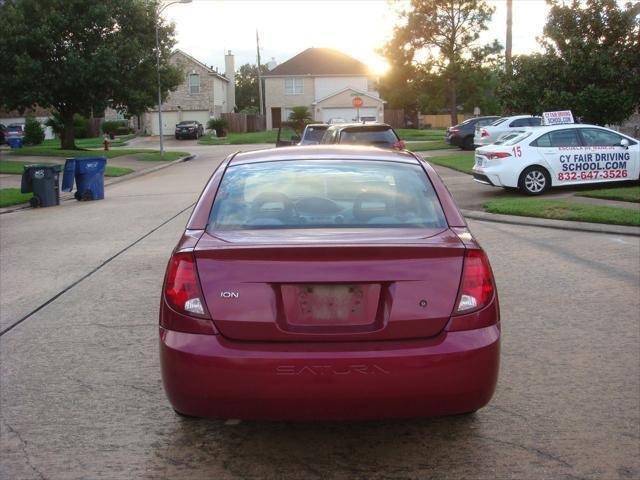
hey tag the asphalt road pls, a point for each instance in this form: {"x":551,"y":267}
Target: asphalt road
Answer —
{"x":81,"y":395}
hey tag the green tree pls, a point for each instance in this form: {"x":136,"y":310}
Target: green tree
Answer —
{"x":78,"y":56}
{"x":33,"y":131}
{"x":444,"y":32}
{"x":590,"y":64}
{"x":299,"y":117}
{"x":247,"y":87}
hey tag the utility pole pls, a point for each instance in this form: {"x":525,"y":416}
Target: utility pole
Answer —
{"x":259,"y":74}
{"x":507,"y":50}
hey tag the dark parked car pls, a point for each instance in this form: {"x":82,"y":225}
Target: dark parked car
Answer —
{"x":288,"y":136}
{"x":189,"y":129}
{"x":15,"y":130}
{"x":328,"y":282}
{"x":461,"y":135}
{"x":313,"y":133}
{"x":3,"y":134}
{"x":376,"y":134}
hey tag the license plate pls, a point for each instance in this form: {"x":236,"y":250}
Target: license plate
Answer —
{"x":479,"y":162}
{"x":330,"y":304}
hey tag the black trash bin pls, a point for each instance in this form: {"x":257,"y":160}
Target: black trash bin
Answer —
{"x":43,"y":181}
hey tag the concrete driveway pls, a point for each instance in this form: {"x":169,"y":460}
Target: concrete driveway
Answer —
{"x":81,"y":395}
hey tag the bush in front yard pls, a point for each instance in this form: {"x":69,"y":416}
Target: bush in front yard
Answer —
{"x":116,"y":127}
{"x":219,"y":125}
{"x":33,"y":131}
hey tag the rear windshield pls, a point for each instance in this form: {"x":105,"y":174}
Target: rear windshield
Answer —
{"x":325,"y":194}
{"x":368,"y":136}
{"x":499,"y":121}
{"x":314,"y":134}
{"x":512,"y":138}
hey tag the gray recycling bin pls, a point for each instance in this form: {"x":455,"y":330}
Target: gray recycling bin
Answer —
{"x":43,"y":181}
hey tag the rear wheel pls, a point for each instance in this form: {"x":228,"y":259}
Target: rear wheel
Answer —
{"x":534,"y":181}
{"x":34,"y":201}
{"x":468,"y":143}
{"x":184,"y":415}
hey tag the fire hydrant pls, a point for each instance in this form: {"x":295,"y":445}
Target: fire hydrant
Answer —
{"x":106,"y":143}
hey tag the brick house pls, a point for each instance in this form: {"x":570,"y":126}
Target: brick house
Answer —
{"x":204,"y":94}
{"x":326,"y":81}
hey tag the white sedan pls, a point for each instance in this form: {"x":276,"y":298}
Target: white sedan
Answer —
{"x":484,"y":135}
{"x":534,"y":159}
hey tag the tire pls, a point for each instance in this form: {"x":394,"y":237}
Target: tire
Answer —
{"x":184,"y":415}
{"x":34,"y":201}
{"x":467,"y":144}
{"x":534,"y":180}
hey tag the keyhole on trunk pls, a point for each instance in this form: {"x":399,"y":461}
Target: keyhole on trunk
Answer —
{"x":423,"y":303}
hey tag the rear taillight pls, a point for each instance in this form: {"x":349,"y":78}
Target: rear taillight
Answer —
{"x":477,"y":286}
{"x":454,"y":131}
{"x":400,"y":145}
{"x":495,"y":155}
{"x":182,"y":286}
{"x":484,"y":133}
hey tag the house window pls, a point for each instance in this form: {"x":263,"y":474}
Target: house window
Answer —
{"x":293,"y":86}
{"x":194,"y":83}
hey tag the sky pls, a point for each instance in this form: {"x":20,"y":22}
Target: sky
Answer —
{"x":206,"y":29}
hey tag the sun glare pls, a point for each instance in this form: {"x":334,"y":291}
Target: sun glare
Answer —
{"x":378,"y":66}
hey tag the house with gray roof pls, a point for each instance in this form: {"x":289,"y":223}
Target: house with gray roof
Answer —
{"x":330,"y":83}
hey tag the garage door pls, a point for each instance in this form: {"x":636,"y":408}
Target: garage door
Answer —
{"x":169,"y":120}
{"x":349,"y":114}
{"x":201,"y":116}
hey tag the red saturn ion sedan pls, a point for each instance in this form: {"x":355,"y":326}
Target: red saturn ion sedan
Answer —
{"x":328,"y":283}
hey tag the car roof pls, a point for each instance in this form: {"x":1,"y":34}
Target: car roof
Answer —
{"x":359,"y":125}
{"x":514,"y":117}
{"x":563,"y":126}
{"x":324,"y":152}
{"x":316,"y":125}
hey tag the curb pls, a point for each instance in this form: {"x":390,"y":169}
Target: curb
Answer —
{"x":112,"y":180}
{"x":557,"y":224}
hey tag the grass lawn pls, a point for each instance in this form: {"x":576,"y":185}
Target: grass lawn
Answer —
{"x":434,"y":145}
{"x":561,"y":210}
{"x":624,"y":194}
{"x":408,"y":134}
{"x":94,"y":142}
{"x":15,"y":167}
{"x":167,"y":157}
{"x":241,"y":138}
{"x":44,"y":151}
{"x":462,"y":162}
{"x":12,"y":196}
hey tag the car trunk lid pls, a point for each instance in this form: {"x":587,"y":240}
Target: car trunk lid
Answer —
{"x":326,"y":286}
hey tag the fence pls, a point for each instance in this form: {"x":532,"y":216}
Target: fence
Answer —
{"x":242,"y":122}
{"x":440,"y":121}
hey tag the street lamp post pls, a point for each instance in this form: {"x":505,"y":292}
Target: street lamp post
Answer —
{"x":158,"y":12}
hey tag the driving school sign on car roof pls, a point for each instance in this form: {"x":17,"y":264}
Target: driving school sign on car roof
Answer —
{"x":557,"y":118}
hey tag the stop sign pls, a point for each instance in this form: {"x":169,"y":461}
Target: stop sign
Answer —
{"x":357,"y":102}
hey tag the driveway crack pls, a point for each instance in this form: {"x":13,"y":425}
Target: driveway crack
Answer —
{"x":23,"y":449}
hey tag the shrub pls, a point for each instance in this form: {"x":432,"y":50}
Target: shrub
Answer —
{"x":116,"y":127}
{"x":80,"y":125}
{"x":299,"y":117}
{"x":33,"y":131}
{"x":219,"y":125}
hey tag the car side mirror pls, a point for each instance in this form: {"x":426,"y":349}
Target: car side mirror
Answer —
{"x":624,"y":142}
{"x":295,"y":138}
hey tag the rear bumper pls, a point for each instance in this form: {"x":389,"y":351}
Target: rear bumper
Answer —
{"x":210,"y":376}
